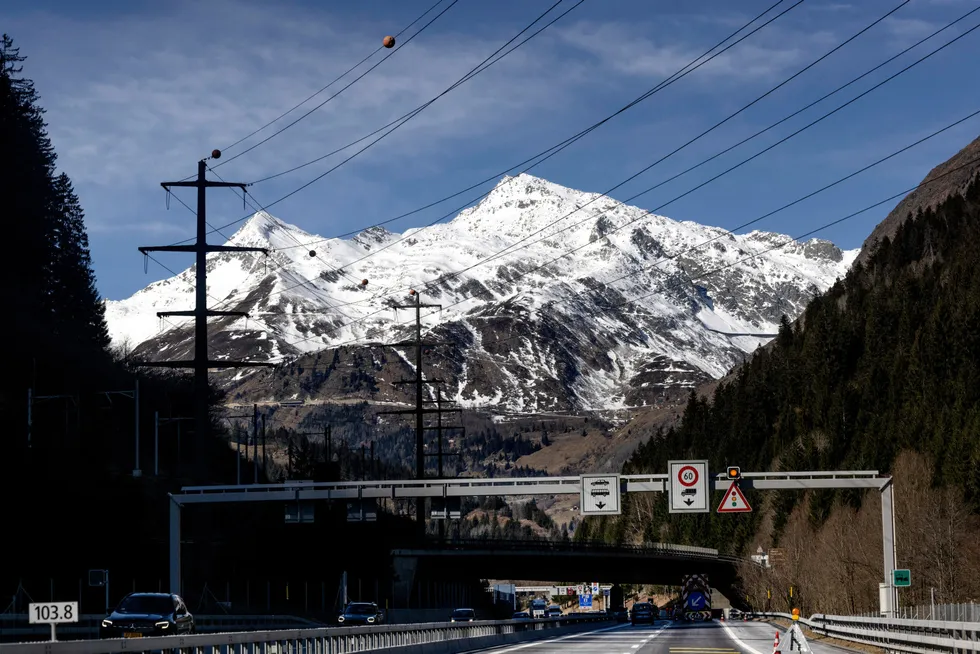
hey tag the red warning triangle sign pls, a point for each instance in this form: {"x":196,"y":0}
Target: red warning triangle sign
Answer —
{"x":734,"y":501}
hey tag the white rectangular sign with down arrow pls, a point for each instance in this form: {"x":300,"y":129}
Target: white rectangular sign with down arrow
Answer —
{"x":688,"y":486}
{"x":600,"y":495}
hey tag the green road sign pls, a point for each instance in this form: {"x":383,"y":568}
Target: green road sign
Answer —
{"x":901,"y":578}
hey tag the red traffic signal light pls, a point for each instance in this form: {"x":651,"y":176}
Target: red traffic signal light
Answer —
{"x":734,"y":472}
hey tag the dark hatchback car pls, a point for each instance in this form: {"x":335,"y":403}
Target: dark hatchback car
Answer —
{"x":145,"y":615}
{"x":361,"y":613}
{"x":642,"y":612}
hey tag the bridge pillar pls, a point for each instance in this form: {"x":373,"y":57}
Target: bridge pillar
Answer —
{"x":174,"y":546}
{"x":406,"y":568}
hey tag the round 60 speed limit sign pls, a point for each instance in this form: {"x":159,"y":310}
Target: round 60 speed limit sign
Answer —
{"x":688,"y":476}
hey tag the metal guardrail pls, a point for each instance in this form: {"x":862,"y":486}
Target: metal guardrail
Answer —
{"x":16,"y":625}
{"x":896,"y":634}
{"x":964,"y":612}
{"x":570,"y":546}
{"x":327,"y":641}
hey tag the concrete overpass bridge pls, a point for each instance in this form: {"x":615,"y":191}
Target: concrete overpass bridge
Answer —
{"x":655,"y":563}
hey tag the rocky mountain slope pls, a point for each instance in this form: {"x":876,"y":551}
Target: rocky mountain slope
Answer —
{"x":642,"y":304}
{"x":959,"y":170}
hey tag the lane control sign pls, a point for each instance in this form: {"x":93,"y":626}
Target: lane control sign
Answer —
{"x":688,"y":486}
{"x":600,"y":495}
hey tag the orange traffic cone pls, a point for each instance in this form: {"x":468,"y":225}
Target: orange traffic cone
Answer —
{"x":775,"y":644}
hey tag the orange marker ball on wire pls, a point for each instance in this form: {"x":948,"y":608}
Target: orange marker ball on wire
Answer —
{"x":215,"y":154}
{"x":388,"y":42}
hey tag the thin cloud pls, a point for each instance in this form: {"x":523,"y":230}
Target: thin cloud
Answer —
{"x":149,"y":228}
{"x":907,"y":31}
{"x":621,"y":48}
{"x":833,"y":7}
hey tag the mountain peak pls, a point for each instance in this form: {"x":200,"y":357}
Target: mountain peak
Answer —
{"x":522,"y":204}
{"x":523,"y":184}
{"x":372,"y":236}
{"x":262,"y":228}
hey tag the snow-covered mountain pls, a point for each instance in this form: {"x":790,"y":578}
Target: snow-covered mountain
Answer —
{"x":642,"y":304}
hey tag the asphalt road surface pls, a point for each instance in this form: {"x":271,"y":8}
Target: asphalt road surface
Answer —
{"x":757,"y":638}
{"x":667,"y":638}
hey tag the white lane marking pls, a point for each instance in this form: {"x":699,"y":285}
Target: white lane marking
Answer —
{"x":738,"y":641}
{"x":555,"y":640}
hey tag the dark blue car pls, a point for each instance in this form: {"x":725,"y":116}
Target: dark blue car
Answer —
{"x":361,"y":613}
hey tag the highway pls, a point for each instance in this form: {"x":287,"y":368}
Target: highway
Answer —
{"x":666,"y":638}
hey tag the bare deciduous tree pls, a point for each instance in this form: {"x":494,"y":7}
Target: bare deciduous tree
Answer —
{"x":837,"y":567}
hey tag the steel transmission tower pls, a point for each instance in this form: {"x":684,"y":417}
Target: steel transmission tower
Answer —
{"x":419,"y":411}
{"x":200,"y":363}
{"x":440,"y":428}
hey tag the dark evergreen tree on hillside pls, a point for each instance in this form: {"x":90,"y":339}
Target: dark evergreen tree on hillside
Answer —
{"x":81,"y":316}
{"x":25,"y":184}
{"x":58,"y":322}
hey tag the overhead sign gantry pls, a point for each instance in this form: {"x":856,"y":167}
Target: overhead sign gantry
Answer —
{"x":292,"y":491}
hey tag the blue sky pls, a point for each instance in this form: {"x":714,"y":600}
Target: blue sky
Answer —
{"x":136,"y":92}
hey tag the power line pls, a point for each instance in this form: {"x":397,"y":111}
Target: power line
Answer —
{"x":745,"y":161}
{"x":182,"y":330}
{"x":482,"y":66}
{"x":337,"y":79}
{"x":475,"y":71}
{"x":674,"y":77}
{"x":415,"y":113}
{"x":705,"y":183}
{"x":354,"y":81}
{"x":795,"y":239}
{"x":743,"y":141}
{"x":818,"y":229}
{"x":295,"y":240}
{"x":790,"y":241}
{"x":757,"y":154}
{"x":663,"y":84}
{"x":840,"y":180}
{"x":511,"y":248}
{"x":865,"y":168}
{"x":411,"y":114}
{"x":892,"y":77}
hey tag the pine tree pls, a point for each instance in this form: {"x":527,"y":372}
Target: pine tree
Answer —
{"x":59,"y":323}
{"x":80,"y":313}
{"x":25,"y":184}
